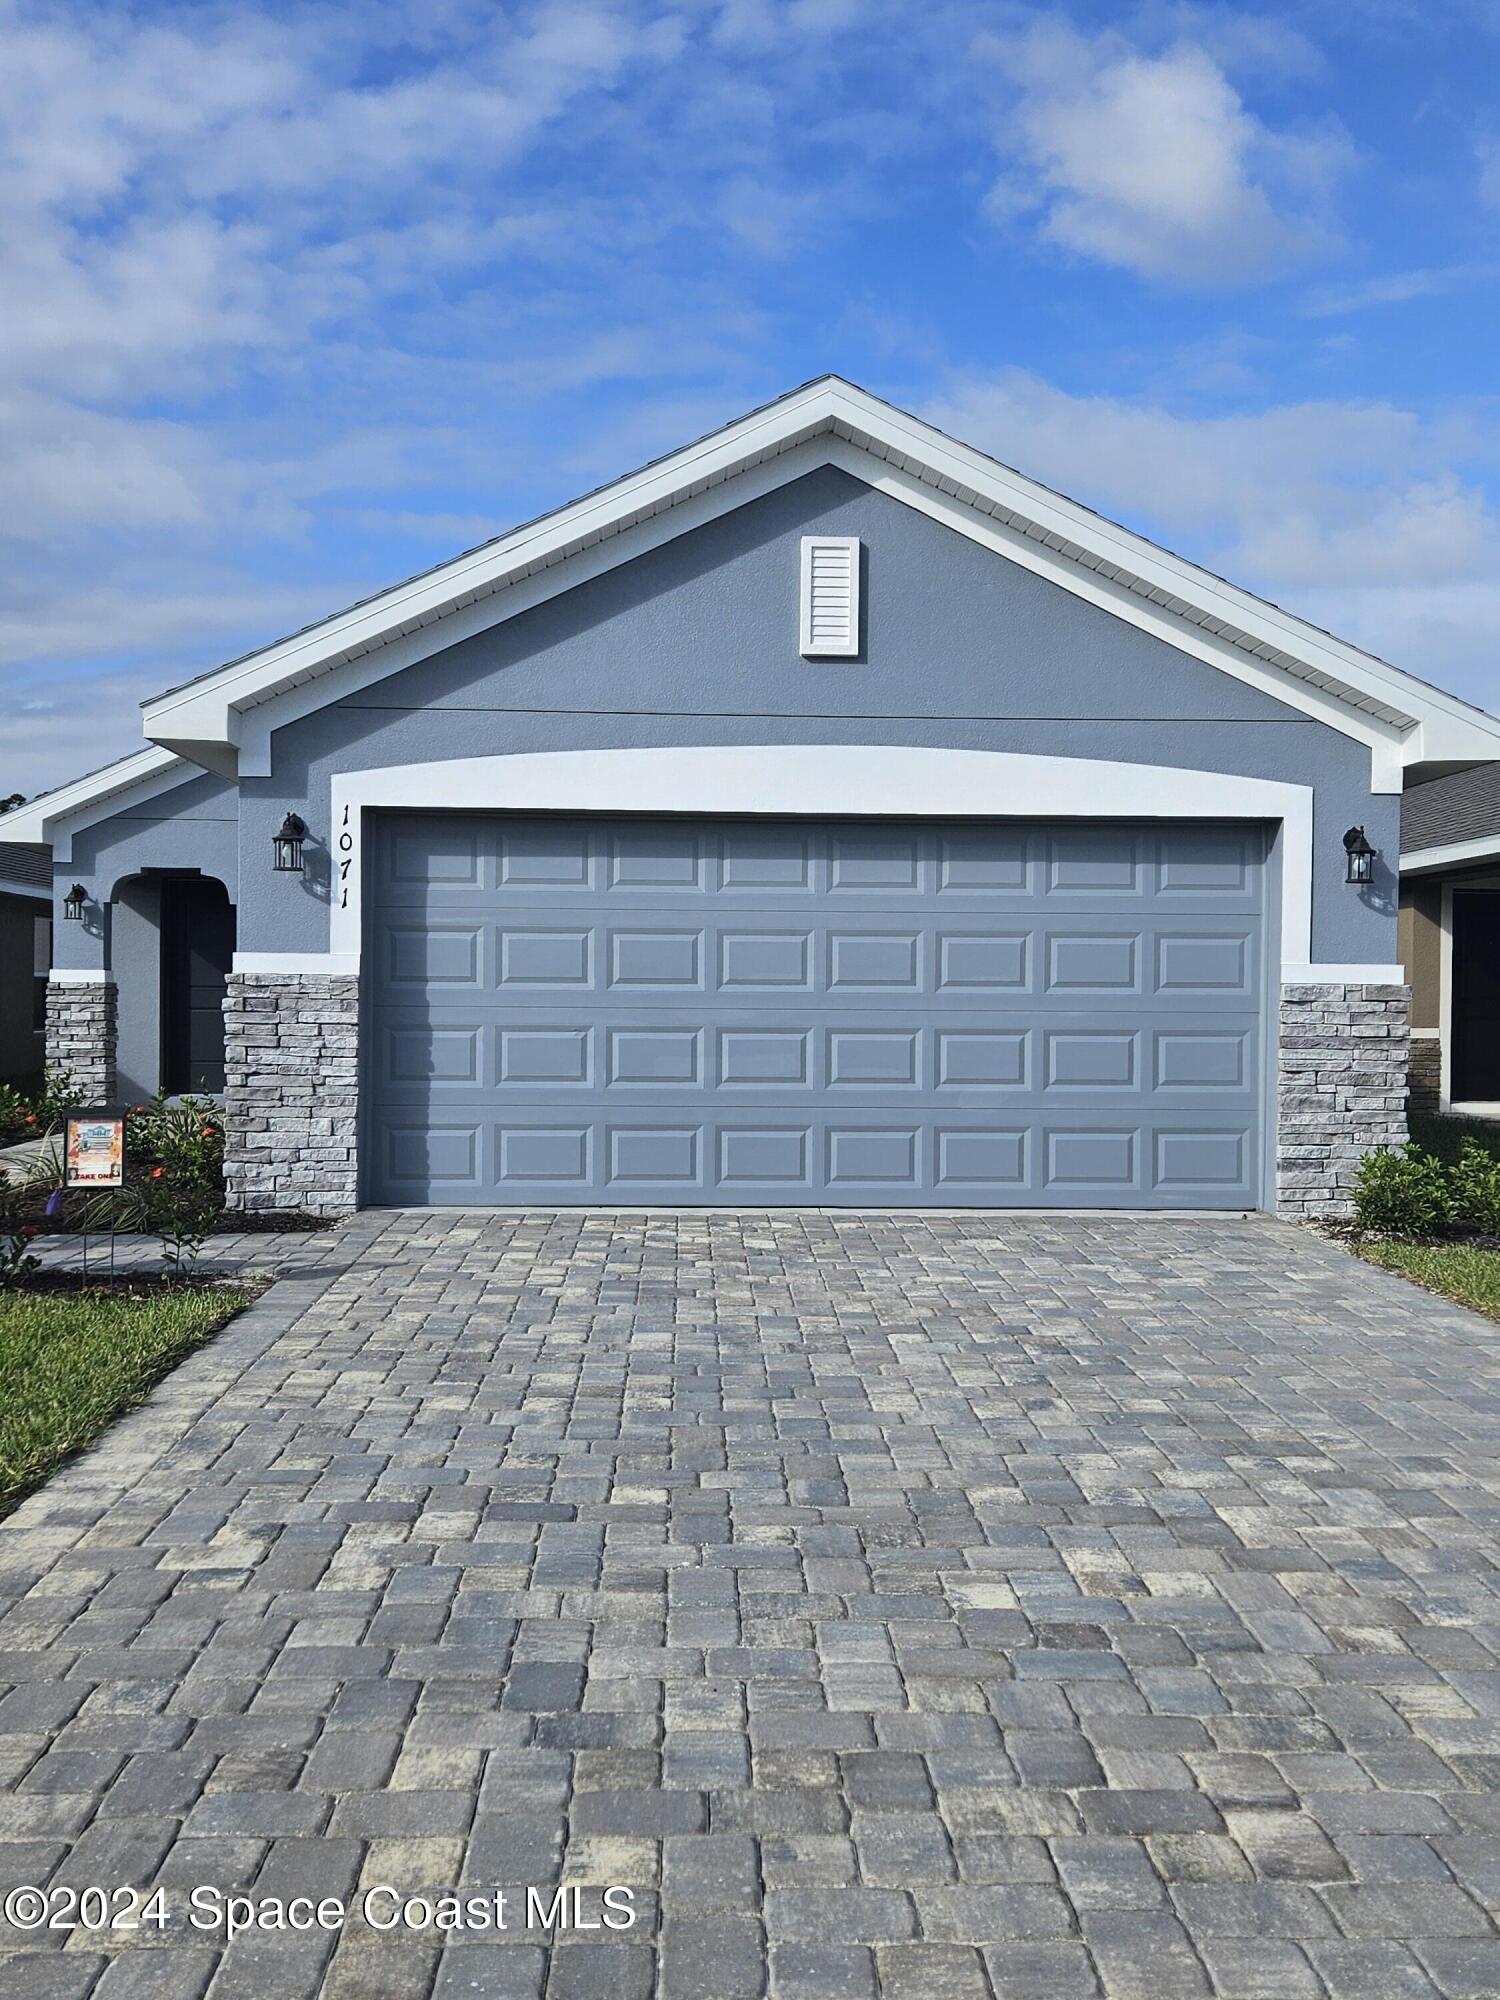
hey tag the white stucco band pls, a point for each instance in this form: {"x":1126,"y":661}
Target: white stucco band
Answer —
{"x":808,"y":781}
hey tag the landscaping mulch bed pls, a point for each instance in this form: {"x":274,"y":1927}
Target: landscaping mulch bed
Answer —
{"x":268,"y":1222}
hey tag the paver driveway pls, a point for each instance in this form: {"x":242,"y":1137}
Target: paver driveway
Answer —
{"x":930,"y":1606}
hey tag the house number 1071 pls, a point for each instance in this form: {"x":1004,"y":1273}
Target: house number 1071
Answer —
{"x":346,"y":859}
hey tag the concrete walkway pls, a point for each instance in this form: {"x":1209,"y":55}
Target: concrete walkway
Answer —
{"x":1009,"y":1607}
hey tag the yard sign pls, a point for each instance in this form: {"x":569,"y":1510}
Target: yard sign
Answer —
{"x":94,"y":1149}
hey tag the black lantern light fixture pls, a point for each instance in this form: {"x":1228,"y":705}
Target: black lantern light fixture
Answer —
{"x":1359,"y":856}
{"x":287,"y":846}
{"x":73,"y":903}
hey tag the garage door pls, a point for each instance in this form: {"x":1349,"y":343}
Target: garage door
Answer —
{"x":750,"y":1012}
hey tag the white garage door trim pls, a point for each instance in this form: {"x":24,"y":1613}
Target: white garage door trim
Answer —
{"x":815,"y":781}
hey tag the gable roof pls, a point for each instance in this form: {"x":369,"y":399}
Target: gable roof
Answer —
{"x":223,"y":720}
{"x":1403,"y":719}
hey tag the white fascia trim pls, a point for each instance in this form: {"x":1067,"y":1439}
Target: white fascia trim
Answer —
{"x":816,"y":781}
{"x":289,"y":964}
{"x":1170,"y":577}
{"x":541,"y":545}
{"x":1417,"y":721}
{"x":32,"y":890}
{"x":80,"y":975}
{"x":55,"y":817}
{"x":1343,"y":975}
{"x":1424,"y":860}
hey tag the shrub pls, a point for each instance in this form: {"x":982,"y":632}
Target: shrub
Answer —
{"x":1474,"y":1188}
{"x":1403,"y":1193}
{"x":15,"y":1111}
{"x":57,"y":1097}
{"x":174,"y":1185}
{"x":33,"y":1115}
{"x":16,"y":1261}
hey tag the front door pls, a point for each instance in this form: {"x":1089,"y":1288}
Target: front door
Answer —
{"x":1475,"y":1075}
{"x":197,"y":948}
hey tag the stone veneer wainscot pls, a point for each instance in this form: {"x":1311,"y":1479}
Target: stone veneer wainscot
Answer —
{"x":81,"y":1036}
{"x":291,"y":1092}
{"x":1344,"y":1054}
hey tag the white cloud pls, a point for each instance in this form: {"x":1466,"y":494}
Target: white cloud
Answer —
{"x":1389,"y":288}
{"x":1151,"y":162}
{"x":1355,"y":515}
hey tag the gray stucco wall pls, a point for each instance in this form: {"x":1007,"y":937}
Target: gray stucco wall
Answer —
{"x":697,"y":643}
{"x":193,"y":826}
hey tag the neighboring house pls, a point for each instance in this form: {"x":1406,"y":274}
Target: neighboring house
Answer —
{"x":824,"y":814}
{"x":25,"y":950}
{"x":1450,"y":938}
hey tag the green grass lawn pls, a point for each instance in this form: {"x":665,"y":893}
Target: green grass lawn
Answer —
{"x":71,"y":1362}
{"x":1458,"y":1270}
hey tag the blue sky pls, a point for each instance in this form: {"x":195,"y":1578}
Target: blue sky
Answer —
{"x":302,"y":299}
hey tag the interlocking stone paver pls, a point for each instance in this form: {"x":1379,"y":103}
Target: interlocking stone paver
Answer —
{"x":900,"y":1605}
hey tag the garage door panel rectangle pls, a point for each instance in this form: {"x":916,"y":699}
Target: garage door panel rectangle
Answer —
{"x":546,"y":958}
{"x":1090,"y":1059}
{"x":557,"y":1153}
{"x":544,"y":1055}
{"x":1096,"y":862}
{"x":656,"y":958}
{"x":421,"y":955}
{"x":753,"y":1156}
{"x":654,"y":1055}
{"x":1202,"y":1059}
{"x":1092,"y":962}
{"x":765,"y":961}
{"x":1202,"y":963}
{"x":760,"y":1056}
{"x":576,"y":1010}
{"x":649,"y":1155}
{"x":872,"y":1056}
{"x":1199,"y":1161}
{"x":969,"y":1058}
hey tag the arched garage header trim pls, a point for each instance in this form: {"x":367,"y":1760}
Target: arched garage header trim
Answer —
{"x":816,"y":781}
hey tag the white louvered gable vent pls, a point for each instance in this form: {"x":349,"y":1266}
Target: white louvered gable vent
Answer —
{"x":830,"y":597}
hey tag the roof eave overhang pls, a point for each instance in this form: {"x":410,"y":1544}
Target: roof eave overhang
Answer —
{"x":34,"y":892}
{"x":1452,"y":854}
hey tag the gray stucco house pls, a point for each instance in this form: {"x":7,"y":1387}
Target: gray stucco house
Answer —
{"x":824,"y":814}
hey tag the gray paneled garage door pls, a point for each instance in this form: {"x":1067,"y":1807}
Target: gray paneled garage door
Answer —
{"x":692,"y":1011}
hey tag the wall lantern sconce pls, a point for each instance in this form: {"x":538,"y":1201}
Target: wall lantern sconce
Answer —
{"x":1359,"y":856}
{"x":286,"y":846}
{"x":73,"y":903}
